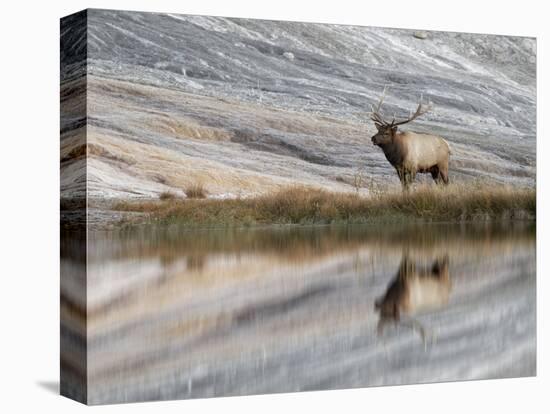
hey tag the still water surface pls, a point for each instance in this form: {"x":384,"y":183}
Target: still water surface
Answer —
{"x":178,"y":313}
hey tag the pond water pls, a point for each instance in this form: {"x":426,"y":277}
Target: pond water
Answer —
{"x":176,"y":313}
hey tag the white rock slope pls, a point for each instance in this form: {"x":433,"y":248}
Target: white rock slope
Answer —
{"x":244,"y":106}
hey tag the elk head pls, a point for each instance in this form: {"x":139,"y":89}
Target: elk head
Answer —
{"x":387,"y":130}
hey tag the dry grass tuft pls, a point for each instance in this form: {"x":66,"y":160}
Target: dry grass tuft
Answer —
{"x":195,"y":191}
{"x":300,"y":205}
{"x":167,"y":195}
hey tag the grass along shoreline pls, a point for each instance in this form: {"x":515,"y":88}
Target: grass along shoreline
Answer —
{"x":299,"y":205}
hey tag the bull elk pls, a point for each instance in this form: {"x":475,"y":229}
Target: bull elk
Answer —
{"x":414,"y":290}
{"x":411,"y":152}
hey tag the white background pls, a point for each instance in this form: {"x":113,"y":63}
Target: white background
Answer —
{"x":29,"y":191}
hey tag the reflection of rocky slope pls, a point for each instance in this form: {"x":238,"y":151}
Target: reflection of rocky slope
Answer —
{"x":239,"y":312}
{"x":244,"y":105}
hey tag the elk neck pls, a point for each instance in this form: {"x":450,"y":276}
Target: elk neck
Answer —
{"x":394,"y":150}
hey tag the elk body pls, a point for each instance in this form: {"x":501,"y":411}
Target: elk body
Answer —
{"x":411,"y":153}
{"x":414,"y":290}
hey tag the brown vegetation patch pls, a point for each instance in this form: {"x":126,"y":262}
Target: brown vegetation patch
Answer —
{"x":185,"y":128}
{"x":300,"y":205}
{"x":167,"y":195}
{"x":96,"y":150}
{"x":195,"y":191}
{"x":74,"y":154}
{"x":101,"y":152}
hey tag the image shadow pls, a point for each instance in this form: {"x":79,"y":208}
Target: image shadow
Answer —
{"x":51,"y":386}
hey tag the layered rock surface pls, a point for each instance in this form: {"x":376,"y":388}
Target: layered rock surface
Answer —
{"x":246,"y":106}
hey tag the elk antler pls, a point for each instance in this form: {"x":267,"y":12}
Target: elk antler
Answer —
{"x":420,"y":110}
{"x":375,"y":114}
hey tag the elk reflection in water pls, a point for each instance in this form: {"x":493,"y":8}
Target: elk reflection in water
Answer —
{"x":415,"y":289}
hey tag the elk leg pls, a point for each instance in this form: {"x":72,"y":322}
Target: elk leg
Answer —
{"x":444,"y":175}
{"x":436,"y":175}
{"x":402,"y":177}
{"x":405,"y":182}
{"x":425,"y":335}
{"x":408,"y":178}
